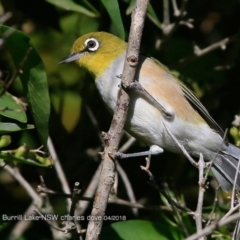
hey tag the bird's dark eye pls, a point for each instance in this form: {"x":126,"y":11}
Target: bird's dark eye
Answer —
{"x":92,"y":44}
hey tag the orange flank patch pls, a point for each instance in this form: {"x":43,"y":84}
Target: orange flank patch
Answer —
{"x":165,"y":89}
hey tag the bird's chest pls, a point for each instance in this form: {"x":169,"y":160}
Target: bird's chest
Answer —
{"x":108,"y":88}
{"x":143,"y":120}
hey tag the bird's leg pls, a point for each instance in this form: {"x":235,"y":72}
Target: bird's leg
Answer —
{"x":154,"y":150}
{"x":169,"y":113}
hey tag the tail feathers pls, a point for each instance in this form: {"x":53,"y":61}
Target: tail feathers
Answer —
{"x":225,"y":184}
{"x":225,"y":167}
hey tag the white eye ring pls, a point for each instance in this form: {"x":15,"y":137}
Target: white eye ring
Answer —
{"x":92,"y":44}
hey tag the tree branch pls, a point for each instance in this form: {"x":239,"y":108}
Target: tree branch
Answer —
{"x":198,"y":213}
{"x":112,"y":138}
{"x":197,"y":52}
{"x":209,"y":229}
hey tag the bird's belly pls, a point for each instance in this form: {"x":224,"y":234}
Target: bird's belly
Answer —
{"x":144,"y":121}
{"x":147,"y":123}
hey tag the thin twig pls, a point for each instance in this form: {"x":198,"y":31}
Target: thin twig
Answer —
{"x":5,"y":17}
{"x":18,"y":176}
{"x":181,"y":12}
{"x":59,"y":170}
{"x":123,"y":202}
{"x":147,"y":167}
{"x":180,"y":146}
{"x":169,"y":28}
{"x":75,"y":198}
{"x":236,"y":232}
{"x":209,"y":229}
{"x":127,"y":185}
{"x":176,"y":11}
{"x":49,"y":222}
{"x":94,"y":122}
{"x":202,"y":52}
{"x":89,"y":192}
{"x":21,"y":226}
{"x":18,"y":71}
{"x":213,"y":207}
{"x":166,"y":12}
{"x":127,"y":144}
{"x":198,"y":212}
{"x":114,"y":190}
{"x":43,"y":189}
{"x":86,"y":198}
{"x":111,"y":200}
{"x":232,"y":210}
{"x":172,"y":201}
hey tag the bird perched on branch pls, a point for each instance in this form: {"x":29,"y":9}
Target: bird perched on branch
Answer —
{"x":161,"y":107}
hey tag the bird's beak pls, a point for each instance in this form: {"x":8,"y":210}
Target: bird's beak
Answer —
{"x":71,"y":57}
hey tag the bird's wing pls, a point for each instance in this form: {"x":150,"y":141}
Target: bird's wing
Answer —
{"x":194,"y":101}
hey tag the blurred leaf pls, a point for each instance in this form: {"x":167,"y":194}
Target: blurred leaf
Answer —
{"x":235,"y":133}
{"x":70,"y":104}
{"x":90,"y":6}
{"x":5,"y":140}
{"x":33,"y":78}
{"x":71,"y":110}
{"x":153,"y":16}
{"x":87,"y":24}
{"x":130,"y":7}
{"x":20,"y":152}
{"x":14,"y":127}
{"x":115,"y":15}
{"x":8,"y":157}
{"x":142,"y":230}
{"x":3,"y":225}
{"x":10,"y":107}
{"x":70,"y":5}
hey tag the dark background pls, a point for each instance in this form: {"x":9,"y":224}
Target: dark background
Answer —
{"x":214,"y":78}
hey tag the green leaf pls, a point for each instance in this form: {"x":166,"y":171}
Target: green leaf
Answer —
{"x":153,"y":16}
{"x":140,"y":230}
{"x":27,"y":156}
{"x":33,"y":77}
{"x":7,"y":157}
{"x":10,"y":107}
{"x":5,"y":140}
{"x":130,"y":7}
{"x":14,"y":127}
{"x":70,"y":5}
{"x":114,"y":13}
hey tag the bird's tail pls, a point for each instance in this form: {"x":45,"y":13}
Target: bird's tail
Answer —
{"x":225,"y":167}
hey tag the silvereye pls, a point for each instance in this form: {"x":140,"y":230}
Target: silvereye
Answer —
{"x":177,"y":109}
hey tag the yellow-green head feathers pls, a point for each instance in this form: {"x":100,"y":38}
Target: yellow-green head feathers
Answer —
{"x":96,"y":51}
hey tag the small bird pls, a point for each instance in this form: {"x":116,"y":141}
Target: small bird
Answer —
{"x":162,"y":103}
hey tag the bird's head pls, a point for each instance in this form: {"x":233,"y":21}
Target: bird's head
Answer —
{"x":96,"y":52}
